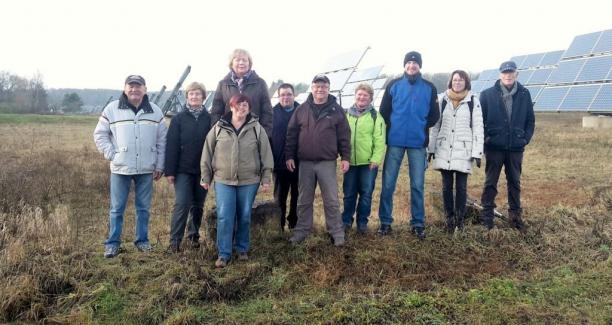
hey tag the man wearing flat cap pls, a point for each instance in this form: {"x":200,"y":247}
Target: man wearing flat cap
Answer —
{"x":131,"y":134}
{"x":317,"y":133}
{"x":509,"y":123}
{"x":409,"y":107}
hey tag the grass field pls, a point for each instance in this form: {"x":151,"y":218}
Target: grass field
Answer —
{"x":54,"y":217}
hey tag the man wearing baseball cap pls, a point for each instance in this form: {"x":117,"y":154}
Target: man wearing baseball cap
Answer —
{"x":317,"y":133}
{"x":409,"y":107}
{"x":509,"y":123}
{"x":131,"y":134}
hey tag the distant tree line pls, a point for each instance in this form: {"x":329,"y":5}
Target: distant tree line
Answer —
{"x":22,"y":95}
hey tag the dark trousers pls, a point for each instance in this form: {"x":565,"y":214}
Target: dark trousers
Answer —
{"x":459,"y":179}
{"x":189,"y":201}
{"x":512,"y":163}
{"x":285,"y":181}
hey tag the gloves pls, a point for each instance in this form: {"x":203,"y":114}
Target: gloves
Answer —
{"x":430,"y":156}
{"x":477,"y":162}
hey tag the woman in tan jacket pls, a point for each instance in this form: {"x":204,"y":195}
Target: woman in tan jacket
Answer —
{"x":237,"y":155}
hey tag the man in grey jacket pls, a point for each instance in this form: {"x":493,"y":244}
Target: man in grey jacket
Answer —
{"x":131,"y":134}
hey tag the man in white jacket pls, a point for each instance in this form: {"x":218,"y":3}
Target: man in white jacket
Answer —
{"x":131,"y":134}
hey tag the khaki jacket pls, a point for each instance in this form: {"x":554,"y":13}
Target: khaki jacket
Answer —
{"x":237,"y":159}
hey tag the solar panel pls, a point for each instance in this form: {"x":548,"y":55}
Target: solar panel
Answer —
{"x":534,"y":91}
{"x":344,"y":61}
{"x":595,"y":69}
{"x":379,"y":83}
{"x":379,"y":96}
{"x":550,"y":98}
{"x":605,"y":42}
{"x":603,"y":100}
{"x":338,"y":79}
{"x":518,"y":59}
{"x":490,"y":74}
{"x":551,"y":58}
{"x":579,"y":98}
{"x":582,"y":45}
{"x":349,"y":89}
{"x":366,"y":74}
{"x":524,"y":76}
{"x":532,"y":61}
{"x":348,"y":101}
{"x":540,"y":76}
{"x":566,"y":72}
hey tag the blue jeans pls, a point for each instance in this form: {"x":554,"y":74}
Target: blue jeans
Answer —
{"x":359,"y":180}
{"x":417,"y":163}
{"x":234,"y":204}
{"x":119,"y":190}
{"x":190,"y":198}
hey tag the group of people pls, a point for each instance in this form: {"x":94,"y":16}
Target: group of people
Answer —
{"x":243,"y":142}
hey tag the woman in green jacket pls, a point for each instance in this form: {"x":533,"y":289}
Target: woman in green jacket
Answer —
{"x":367,"y":150}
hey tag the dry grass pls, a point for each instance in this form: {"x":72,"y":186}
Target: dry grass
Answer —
{"x":53,"y":220}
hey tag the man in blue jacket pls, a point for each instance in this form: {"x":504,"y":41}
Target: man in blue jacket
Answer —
{"x":509,"y":123}
{"x":410,"y":108}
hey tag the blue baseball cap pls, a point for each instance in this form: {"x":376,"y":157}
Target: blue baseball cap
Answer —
{"x":507,"y":66}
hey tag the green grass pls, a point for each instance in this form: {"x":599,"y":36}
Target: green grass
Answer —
{"x":54,"y":217}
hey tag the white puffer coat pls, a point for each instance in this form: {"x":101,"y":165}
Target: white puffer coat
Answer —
{"x":452,"y":140}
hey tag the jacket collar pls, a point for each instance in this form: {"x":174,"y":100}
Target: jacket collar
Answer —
{"x":278,"y":106}
{"x":145,"y":105}
{"x":253,"y":78}
{"x":331,"y":100}
{"x":519,"y":86}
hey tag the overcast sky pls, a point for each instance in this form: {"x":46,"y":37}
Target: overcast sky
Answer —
{"x":96,"y":44}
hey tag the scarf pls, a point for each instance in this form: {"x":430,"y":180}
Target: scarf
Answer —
{"x":195,"y":111}
{"x":240,"y":81}
{"x":507,"y":97}
{"x":456,"y":98}
{"x":354,"y":111}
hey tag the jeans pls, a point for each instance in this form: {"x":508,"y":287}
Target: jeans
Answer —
{"x":417,"y":163}
{"x":119,"y":190}
{"x":359,"y":180}
{"x":234,"y":204}
{"x":458,"y":206}
{"x":284,"y":181}
{"x":190,"y":197}
{"x":512,"y":162}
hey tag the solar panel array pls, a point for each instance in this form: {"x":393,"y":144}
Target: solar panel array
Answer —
{"x":576,"y":79}
{"x":344,"y":78}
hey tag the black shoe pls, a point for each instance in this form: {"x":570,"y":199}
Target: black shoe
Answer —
{"x":488,"y":223}
{"x":518,"y":224}
{"x":450,"y":224}
{"x":173,"y":248}
{"x":419,"y":232}
{"x":384,"y":230}
{"x":362,"y":229}
{"x":459,"y":222}
{"x":347,"y":227}
{"x":194,"y":242}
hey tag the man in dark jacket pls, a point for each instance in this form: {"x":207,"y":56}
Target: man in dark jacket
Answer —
{"x":284,"y":180}
{"x":318,"y":131}
{"x":185,"y":140}
{"x":409,"y":107}
{"x":242,"y":79}
{"x":509,"y":123}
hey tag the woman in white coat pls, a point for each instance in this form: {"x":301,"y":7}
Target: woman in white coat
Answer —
{"x":456,"y":143}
